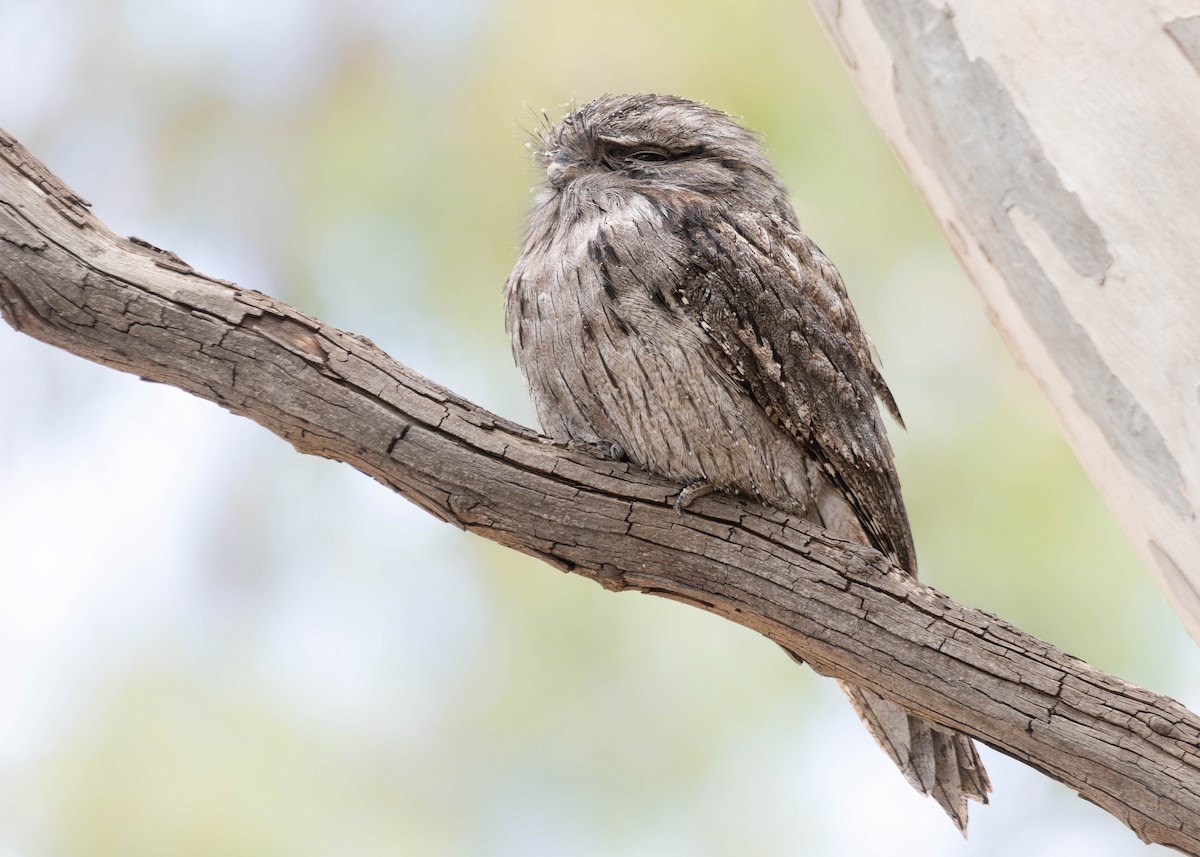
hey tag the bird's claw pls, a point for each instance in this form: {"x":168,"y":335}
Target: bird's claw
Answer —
{"x":691,"y":493}
{"x":599,"y":449}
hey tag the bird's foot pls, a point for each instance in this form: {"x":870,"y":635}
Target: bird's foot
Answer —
{"x":599,"y":449}
{"x":691,"y":493}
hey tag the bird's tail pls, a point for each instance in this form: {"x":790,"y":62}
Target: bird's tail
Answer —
{"x":936,"y":761}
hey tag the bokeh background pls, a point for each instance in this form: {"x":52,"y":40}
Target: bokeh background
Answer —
{"x":212,"y":645}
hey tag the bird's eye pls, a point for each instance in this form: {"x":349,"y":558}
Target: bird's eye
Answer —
{"x":649,"y":156}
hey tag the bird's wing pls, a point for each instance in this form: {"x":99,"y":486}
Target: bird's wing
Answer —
{"x":780,"y":321}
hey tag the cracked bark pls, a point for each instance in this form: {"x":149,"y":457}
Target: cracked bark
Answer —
{"x":67,"y":280}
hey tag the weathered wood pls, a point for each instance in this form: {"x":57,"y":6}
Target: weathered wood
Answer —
{"x":1060,"y":154}
{"x":67,"y":280}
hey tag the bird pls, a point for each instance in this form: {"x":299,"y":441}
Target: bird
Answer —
{"x":667,"y":306}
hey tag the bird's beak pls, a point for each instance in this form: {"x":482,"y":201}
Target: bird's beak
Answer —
{"x":561,"y":171}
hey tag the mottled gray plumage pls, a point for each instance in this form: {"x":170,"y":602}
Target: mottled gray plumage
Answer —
{"x":667,"y":301}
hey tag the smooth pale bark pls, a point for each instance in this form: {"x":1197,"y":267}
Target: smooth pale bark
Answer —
{"x":1058,"y":146}
{"x":67,"y":280}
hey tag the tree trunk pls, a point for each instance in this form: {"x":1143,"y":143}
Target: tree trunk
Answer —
{"x":1058,"y":147}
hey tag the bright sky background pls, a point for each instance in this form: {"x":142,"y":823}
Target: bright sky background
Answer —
{"x":212,"y":645}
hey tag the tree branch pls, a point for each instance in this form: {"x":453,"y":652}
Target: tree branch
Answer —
{"x":68,"y":280}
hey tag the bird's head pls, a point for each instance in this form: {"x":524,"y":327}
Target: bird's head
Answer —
{"x":651,"y":143}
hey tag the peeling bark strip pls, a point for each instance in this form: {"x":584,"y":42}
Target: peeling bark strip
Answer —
{"x":988,"y":190}
{"x":67,"y":280}
{"x":1062,"y":160}
{"x":1186,"y":33}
